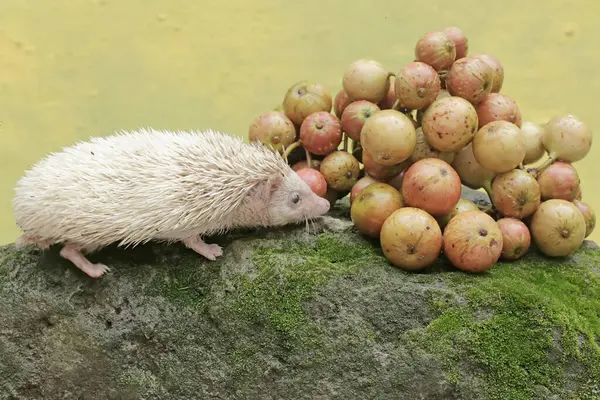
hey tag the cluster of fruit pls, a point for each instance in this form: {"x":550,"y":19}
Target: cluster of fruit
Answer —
{"x":403,"y":144}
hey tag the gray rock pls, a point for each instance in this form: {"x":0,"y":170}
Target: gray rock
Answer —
{"x":297,"y":313}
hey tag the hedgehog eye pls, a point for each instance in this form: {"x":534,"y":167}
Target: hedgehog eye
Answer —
{"x":295,"y":198}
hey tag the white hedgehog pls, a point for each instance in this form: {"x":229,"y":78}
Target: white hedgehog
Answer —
{"x":133,"y":187}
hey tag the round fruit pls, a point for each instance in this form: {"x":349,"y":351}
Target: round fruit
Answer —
{"x":360,"y":185}
{"x":559,"y":181}
{"x":424,"y":150}
{"x":389,"y":137}
{"x":341,"y":170}
{"x":273,"y":129}
{"x":462,"y":206}
{"x":411,"y":239}
{"x":340,"y":102}
{"x":567,"y":138}
{"x":588,"y":215}
{"x":373,"y":206}
{"x":498,"y":107}
{"x":499,"y":146}
{"x":473,"y":241}
{"x":305,"y":98}
{"x":449,"y":123}
{"x":472,"y":174}
{"x":416,"y":86}
{"x":532,"y":138}
{"x":516,"y":238}
{"x":557,"y":228}
{"x":471,"y":79}
{"x":355,"y":115}
{"x":314,"y":164}
{"x":515,"y":194}
{"x":381,"y":172}
{"x":436,"y":49}
{"x":460,"y":40}
{"x":498,"y":71}
{"x":321,"y":133}
{"x":314,"y":179}
{"x":366,"y":80}
{"x":432,"y":185}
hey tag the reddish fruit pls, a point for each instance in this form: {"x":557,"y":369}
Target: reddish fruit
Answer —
{"x":314,"y":164}
{"x":557,"y":228}
{"x":360,"y":185}
{"x":497,"y":70}
{"x":516,"y":238}
{"x":355,"y":116}
{"x":373,"y":206}
{"x":378,"y":171}
{"x":417,"y":85}
{"x":471,"y":79}
{"x":411,"y":239}
{"x":559,"y":181}
{"x":449,"y":123}
{"x":462,"y":206}
{"x":533,"y":135}
{"x":441,"y":94}
{"x":341,"y":170}
{"x":498,"y":107}
{"x":305,"y":98}
{"x":515,"y":194}
{"x":588,"y":215}
{"x":366,"y":80}
{"x":473,"y":241}
{"x":389,"y":137}
{"x":567,"y":138}
{"x":499,"y":146}
{"x":436,"y":49}
{"x":314,"y":179}
{"x":390,"y":98}
{"x":471,"y":173}
{"x":340,"y":102}
{"x":321,"y":133}
{"x":431,"y":185}
{"x":460,"y":40}
{"x":273,"y":129}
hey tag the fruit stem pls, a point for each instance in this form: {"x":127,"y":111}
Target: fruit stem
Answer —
{"x":537,"y":170}
{"x":396,"y":105}
{"x":308,"y":158}
{"x":521,"y":166}
{"x":487,"y":186}
{"x":292,"y":147}
{"x":345,"y":143}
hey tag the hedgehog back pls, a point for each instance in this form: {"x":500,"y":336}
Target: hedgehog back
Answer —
{"x":133,"y":187}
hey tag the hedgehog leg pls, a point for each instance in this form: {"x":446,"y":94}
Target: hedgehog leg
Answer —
{"x":73,"y":254}
{"x":210,"y":251}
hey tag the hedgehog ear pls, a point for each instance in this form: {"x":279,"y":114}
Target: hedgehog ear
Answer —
{"x":271,"y":185}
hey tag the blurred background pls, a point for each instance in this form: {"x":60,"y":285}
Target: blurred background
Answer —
{"x":71,"y":69}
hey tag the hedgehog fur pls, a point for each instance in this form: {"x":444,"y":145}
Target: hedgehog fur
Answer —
{"x":133,"y":187}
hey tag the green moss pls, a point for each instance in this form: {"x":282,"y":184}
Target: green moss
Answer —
{"x":288,"y":275}
{"x":524,"y":325}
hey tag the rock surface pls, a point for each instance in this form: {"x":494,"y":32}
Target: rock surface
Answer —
{"x":292,"y":314}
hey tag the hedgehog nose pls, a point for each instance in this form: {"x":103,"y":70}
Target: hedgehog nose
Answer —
{"x":325,"y":205}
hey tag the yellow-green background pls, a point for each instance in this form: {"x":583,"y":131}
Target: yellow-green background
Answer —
{"x":74,"y":68}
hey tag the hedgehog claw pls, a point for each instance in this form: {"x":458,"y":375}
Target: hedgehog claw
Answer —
{"x":71,"y":253}
{"x":210,"y":251}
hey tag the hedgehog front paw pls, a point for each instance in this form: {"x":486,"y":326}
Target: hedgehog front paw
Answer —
{"x":210,"y":251}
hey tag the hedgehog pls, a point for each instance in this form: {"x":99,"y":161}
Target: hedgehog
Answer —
{"x":144,"y":185}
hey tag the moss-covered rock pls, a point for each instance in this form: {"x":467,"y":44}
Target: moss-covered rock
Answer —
{"x":292,"y":314}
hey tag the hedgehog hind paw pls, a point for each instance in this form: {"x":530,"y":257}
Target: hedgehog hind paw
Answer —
{"x":210,"y":251}
{"x":74,"y":255}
